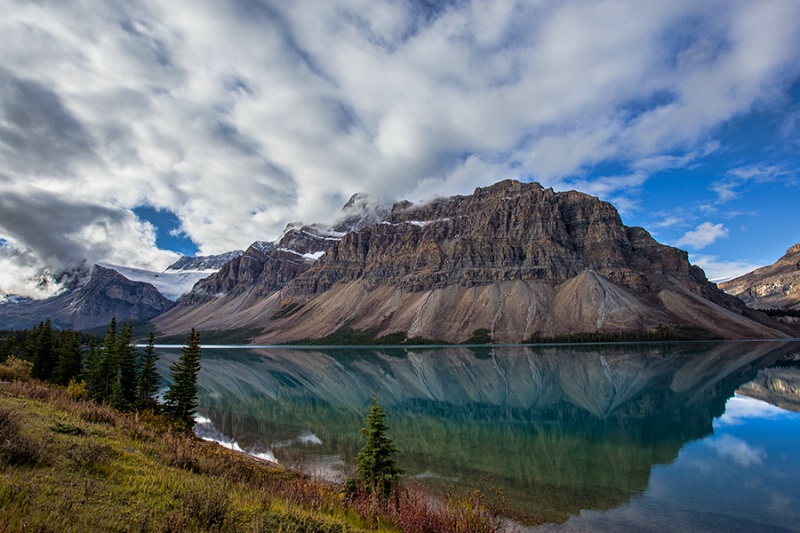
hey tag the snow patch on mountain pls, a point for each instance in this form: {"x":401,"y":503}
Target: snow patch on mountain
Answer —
{"x":263,"y":246}
{"x":172,"y":284}
{"x":203,"y":263}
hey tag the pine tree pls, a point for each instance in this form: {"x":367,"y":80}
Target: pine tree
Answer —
{"x":181,"y":397}
{"x":149,"y":380}
{"x":70,"y":358}
{"x":108,"y":362}
{"x":376,"y":469}
{"x":40,"y":351}
{"x":125,"y":375}
{"x":94,"y":377}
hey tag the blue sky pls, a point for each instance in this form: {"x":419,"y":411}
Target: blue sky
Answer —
{"x":133,"y":131}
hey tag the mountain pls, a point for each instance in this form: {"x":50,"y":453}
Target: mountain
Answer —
{"x":514,"y":259}
{"x":776,"y":286}
{"x":103,"y":294}
{"x":179,"y":278}
{"x":203,"y":263}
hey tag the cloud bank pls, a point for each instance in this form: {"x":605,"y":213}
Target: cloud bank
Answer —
{"x":241,"y":116}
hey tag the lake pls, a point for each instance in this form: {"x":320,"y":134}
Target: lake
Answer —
{"x":649,"y":437}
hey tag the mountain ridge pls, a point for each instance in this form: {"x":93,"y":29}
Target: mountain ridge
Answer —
{"x":775,"y":286}
{"x":514,"y":259}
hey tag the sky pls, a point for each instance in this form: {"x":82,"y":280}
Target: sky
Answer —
{"x":133,"y":131}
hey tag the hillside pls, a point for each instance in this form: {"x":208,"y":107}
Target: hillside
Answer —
{"x":776,"y":286}
{"x":514,"y":259}
{"x":68,"y":465}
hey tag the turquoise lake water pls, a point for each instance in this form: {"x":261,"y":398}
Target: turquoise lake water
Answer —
{"x":651,"y":437}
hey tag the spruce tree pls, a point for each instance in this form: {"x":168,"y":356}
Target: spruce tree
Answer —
{"x":181,"y":397}
{"x":40,"y":351}
{"x":126,"y":369}
{"x":95,"y":379}
{"x":376,"y":469}
{"x":149,"y":380}
{"x":108,"y":362}
{"x":70,"y":358}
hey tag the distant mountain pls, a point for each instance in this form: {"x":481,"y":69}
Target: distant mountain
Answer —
{"x":104,"y":294}
{"x":92,"y":297}
{"x":512,"y":259}
{"x":776,"y":286}
{"x":203,"y":263}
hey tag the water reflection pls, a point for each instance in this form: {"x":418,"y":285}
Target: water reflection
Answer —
{"x":559,"y":430}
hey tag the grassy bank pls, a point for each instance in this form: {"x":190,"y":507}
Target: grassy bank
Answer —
{"x":72,"y":465}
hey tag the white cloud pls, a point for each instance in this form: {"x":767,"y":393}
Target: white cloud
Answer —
{"x":737,"y":450}
{"x":241,"y":116}
{"x":737,"y":178}
{"x":718,"y":270}
{"x":703,"y":235}
{"x":740,"y":408}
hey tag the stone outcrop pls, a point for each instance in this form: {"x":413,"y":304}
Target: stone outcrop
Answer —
{"x":513,"y":258}
{"x":776,"y":286}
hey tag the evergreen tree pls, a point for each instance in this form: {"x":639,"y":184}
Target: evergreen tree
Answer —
{"x":40,"y":351}
{"x":149,"y":380}
{"x":94,"y":377}
{"x":181,"y":397}
{"x":107,"y":369}
{"x":116,"y":397}
{"x":125,"y":375}
{"x":70,"y":357}
{"x":375,"y":466}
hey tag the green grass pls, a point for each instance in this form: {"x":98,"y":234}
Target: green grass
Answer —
{"x":76,"y":466}
{"x":70,"y":465}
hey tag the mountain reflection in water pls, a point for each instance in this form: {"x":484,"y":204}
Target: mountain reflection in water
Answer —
{"x":558,"y":429}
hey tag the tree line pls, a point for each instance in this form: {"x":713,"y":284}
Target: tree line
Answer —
{"x":109,"y":370}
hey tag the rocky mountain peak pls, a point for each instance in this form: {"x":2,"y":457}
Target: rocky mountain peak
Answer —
{"x":513,"y":259}
{"x":360,"y":211}
{"x":207,"y":262}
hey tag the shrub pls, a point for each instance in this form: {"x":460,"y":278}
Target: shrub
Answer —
{"x":15,"y":448}
{"x":209,"y":505}
{"x":77,"y":390}
{"x":14,"y":369}
{"x":87,"y":455}
{"x":99,"y":414}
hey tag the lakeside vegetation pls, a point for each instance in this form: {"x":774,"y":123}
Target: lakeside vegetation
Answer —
{"x":661,"y":334}
{"x":94,"y":456}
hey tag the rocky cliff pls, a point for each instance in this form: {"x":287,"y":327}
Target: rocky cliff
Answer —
{"x":514,"y":259}
{"x":776,"y":286}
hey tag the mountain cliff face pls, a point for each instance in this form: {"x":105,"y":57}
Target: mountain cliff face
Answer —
{"x":105,"y":294}
{"x":776,"y":286}
{"x":513,"y":258}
